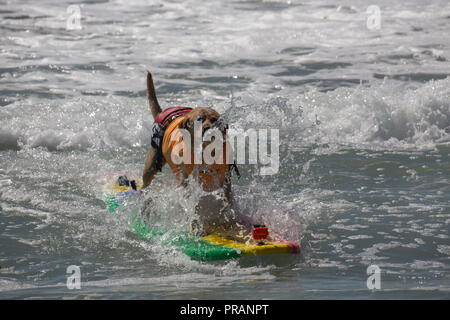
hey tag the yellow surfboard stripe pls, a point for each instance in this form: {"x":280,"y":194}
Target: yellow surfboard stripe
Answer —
{"x":116,"y":188}
{"x":249,"y":249}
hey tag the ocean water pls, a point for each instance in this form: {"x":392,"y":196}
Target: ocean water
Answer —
{"x":362,"y":106}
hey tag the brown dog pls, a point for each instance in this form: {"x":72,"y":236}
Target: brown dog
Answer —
{"x":166,"y":140}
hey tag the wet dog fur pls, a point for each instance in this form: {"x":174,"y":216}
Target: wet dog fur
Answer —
{"x":209,"y":119}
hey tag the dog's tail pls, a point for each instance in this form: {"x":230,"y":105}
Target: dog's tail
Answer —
{"x":151,"y":96}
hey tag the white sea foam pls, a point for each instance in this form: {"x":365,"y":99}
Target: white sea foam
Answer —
{"x":364,"y":135}
{"x":384,"y":116}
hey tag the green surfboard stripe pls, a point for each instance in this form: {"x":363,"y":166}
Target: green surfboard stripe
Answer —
{"x":194,"y":247}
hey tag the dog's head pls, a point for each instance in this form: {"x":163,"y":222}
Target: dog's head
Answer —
{"x":209,"y":122}
{"x":207,"y":117}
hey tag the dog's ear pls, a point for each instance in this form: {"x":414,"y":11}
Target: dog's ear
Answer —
{"x":197,"y":114}
{"x":186,"y":123}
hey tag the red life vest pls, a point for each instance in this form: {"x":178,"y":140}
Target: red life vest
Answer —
{"x":162,"y":120}
{"x":169,"y":114}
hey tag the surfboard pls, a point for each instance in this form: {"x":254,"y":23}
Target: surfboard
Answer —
{"x":206,"y":248}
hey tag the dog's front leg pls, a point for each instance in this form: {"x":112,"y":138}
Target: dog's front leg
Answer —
{"x":150,"y":168}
